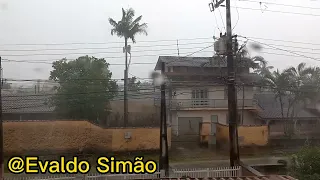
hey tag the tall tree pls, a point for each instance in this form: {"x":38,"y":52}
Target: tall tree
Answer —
{"x":127,"y":28}
{"x":298,"y":79}
{"x":85,"y":87}
{"x":278,"y":82}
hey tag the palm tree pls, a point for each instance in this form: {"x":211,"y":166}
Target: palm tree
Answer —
{"x":127,"y":28}
{"x":300,"y":79}
{"x":278,"y":82}
{"x":243,"y":59}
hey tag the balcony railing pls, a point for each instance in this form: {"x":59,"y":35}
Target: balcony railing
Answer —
{"x":209,"y":103}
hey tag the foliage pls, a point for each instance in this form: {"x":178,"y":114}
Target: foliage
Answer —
{"x":85,"y":87}
{"x":128,"y":27}
{"x":294,"y":85}
{"x":245,"y":60}
{"x":278,"y":82}
{"x":6,"y":85}
{"x":306,"y":163}
{"x":133,"y":84}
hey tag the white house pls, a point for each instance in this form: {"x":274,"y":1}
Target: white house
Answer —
{"x":198,"y":94}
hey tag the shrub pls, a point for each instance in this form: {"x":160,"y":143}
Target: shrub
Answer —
{"x":306,"y":163}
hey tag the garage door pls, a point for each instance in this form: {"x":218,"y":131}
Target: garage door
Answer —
{"x":188,"y":128}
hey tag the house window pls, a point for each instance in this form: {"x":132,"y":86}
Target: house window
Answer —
{"x":200,"y":98}
{"x":200,"y":94}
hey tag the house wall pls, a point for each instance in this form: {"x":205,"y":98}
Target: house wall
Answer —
{"x":248,"y":135}
{"x":214,"y":92}
{"x":54,"y":137}
{"x":206,"y":117}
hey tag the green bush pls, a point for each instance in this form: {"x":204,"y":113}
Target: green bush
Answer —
{"x":305,"y":164}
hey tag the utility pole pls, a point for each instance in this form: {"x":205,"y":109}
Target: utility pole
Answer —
{"x":163,"y":159}
{"x":232,"y":98}
{"x":125,"y":93}
{"x":1,"y":125}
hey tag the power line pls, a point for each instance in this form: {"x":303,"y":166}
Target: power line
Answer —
{"x":279,"y":4}
{"x":41,"y":62}
{"x":99,"y":43}
{"x":269,"y":39}
{"x":292,"y":52}
{"x":85,"y":53}
{"x":284,"y":12}
{"x":224,"y":27}
{"x":99,"y":48}
{"x":316,"y":53}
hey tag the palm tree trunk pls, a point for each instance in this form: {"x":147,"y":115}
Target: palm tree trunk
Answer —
{"x":125,"y":94}
{"x":282,"y":114}
{"x":281,"y":106}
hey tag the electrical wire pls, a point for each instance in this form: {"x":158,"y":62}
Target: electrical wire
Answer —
{"x":280,"y":40}
{"x":215,"y":17}
{"x":284,"y":88}
{"x":104,"y":48}
{"x":284,"y":12}
{"x":238,"y":15}
{"x":100,"y":43}
{"x":41,"y":62}
{"x":278,"y":4}
{"x":85,"y":53}
{"x":224,"y":27}
{"x":292,"y":52}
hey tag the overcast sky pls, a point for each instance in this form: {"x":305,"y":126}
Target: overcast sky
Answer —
{"x":66,"y":22}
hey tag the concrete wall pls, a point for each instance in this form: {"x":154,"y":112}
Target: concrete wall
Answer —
{"x":248,"y":135}
{"x":249,"y":118}
{"x":56,"y":137}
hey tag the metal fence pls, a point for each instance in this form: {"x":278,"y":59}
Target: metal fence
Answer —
{"x":208,"y":172}
{"x":175,"y":173}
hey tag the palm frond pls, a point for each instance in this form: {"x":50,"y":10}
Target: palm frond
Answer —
{"x":301,"y":66}
{"x":130,"y":14}
{"x":123,"y":15}
{"x":136,"y":21}
{"x":113,"y":22}
{"x":128,"y":27}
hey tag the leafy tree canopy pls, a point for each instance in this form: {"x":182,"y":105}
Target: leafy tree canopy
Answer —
{"x":6,"y":85}
{"x":85,"y":87}
{"x":133,"y":84}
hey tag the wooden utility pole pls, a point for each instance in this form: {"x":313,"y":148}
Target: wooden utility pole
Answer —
{"x":232,"y":98}
{"x":163,"y":159}
{"x":1,"y":126}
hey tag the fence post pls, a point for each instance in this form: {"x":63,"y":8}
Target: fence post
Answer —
{"x":208,"y":172}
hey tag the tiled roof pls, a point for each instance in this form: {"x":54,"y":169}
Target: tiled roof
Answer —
{"x":191,"y":61}
{"x":236,"y":178}
{"x":25,"y":104}
{"x":271,"y":107}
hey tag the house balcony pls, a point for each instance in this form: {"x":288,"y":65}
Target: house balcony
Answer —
{"x":199,"y":104}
